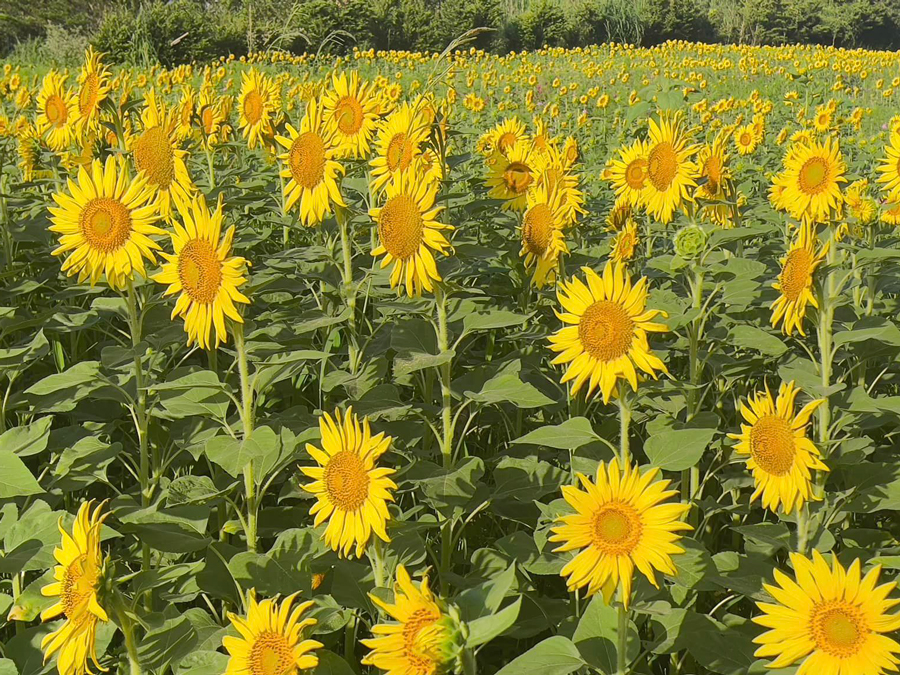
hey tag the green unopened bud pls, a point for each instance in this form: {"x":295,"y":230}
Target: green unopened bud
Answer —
{"x":690,"y":241}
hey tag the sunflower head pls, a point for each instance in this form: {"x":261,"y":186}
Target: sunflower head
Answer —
{"x":795,"y":283}
{"x":812,"y":178}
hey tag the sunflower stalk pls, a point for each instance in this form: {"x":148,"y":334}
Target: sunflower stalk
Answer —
{"x":622,"y":636}
{"x":343,"y":220}
{"x":247,"y":419}
{"x":440,"y":298}
{"x":127,"y":626}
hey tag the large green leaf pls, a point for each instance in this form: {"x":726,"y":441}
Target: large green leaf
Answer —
{"x":556,"y":655}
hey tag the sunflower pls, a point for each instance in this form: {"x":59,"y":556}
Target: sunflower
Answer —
{"x":628,"y":174}
{"x":811,"y":179}
{"x":78,"y":576}
{"x":779,"y":454}
{"x":184,"y":113}
{"x":625,"y":243}
{"x":712,"y":161}
{"x":57,"y":111}
{"x":543,"y":240}
{"x":890,"y":167}
{"x":351,"y":113}
{"x":551,"y":169}
{"x":507,"y":134}
{"x":105,"y":224}
{"x":745,"y":140}
{"x":408,"y":230}
{"x":891,"y":214}
{"x":834,"y":619}
{"x":311,"y":167}
{"x":157,"y":154}
{"x":620,"y":523}
{"x":607,"y":332}
{"x":28,"y":147}
{"x":619,"y":215}
{"x":94,"y":82}
{"x":422,"y":639}
{"x":271,"y":638}
{"x":670,"y":172}
{"x":796,"y":280}
{"x":204,"y":273}
{"x":211,"y":115}
{"x":541,"y":140}
{"x":259,"y":102}
{"x":398,"y":144}
{"x":351,"y":491}
{"x":510,"y":175}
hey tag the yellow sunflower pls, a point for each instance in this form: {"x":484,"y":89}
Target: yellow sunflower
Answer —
{"x":619,"y":215}
{"x":510,"y":175}
{"x":310,"y":166}
{"x":715,"y":186}
{"x":628,"y":174}
{"x":891,"y":214}
{"x":670,"y":171}
{"x":351,"y":113}
{"x":890,"y":167}
{"x":551,"y":169}
{"x":620,"y":522}
{"x":259,"y":103}
{"x":398,"y":143}
{"x":57,"y":111}
{"x":203,"y":273}
{"x":543,"y":237}
{"x":95,"y":87}
{"x":812,"y":179}
{"x":28,"y":147}
{"x":211,"y":115}
{"x":351,"y":491}
{"x":507,"y":134}
{"x":779,"y":454}
{"x":408,"y":230}
{"x":834,"y":619}
{"x":184,"y":113}
{"x":157,"y":154}
{"x":625,"y":243}
{"x":795,"y":283}
{"x":105,"y":223}
{"x":607,"y":332}
{"x":271,"y":638}
{"x":745,"y":140}
{"x":77,"y":574}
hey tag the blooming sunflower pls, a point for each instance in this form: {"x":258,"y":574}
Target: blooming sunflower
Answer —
{"x":351,"y":113}
{"x":420,"y":640}
{"x":607,"y":332}
{"x":105,"y":224}
{"x":625,"y":243}
{"x":28,"y":147}
{"x":259,"y":102}
{"x":271,"y":638}
{"x":408,"y":230}
{"x":399,"y":138}
{"x":891,"y":214}
{"x":620,"y":523}
{"x":211,"y":115}
{"x":77,"y":575}
{"x":57,"y":111}
{"x":157,"y":154}
{"x":619,"y":215}
{"x":507,"y":134}
{"x":670,"y":172}
{"x":834,"y":619}
{"x":745,"y":140}
{"x":551,"y":169}
{"x":712,"y":161}
{"x":95,"y":87}
{"x":628,"y":174}
{"x":311,"y":167}
{"x":796,"y":280}
{"x":184,"y":113}
{"x":510,"y":175}
{"x":890,"y":167}
{"x":204,"y":273}
{"x":351,"y":491}
{"x":779,"y":454}
{"x":543,"y":240}
{"x":811,"y":179}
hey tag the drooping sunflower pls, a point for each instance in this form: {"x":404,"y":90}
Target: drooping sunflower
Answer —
{"x":745,"y":140}
{"x":311,"y":167}
{"x":670,"y":172}
{"x":351,"y":491}
{"x":211,"y":115}
{"x":28,"y":147}
{"x":398,"y":143}
{"x":779,"y":454}
{"x":57,"y":111}
{"x":712,"y":160}
{"x":795,"y":283}
{"x":184,"y":113}
{"x":812,"y":179}
{"x":204,"y":273}
{"x":105,"y":223}
{"x":408,"y":231}
{"x":510,"y":175}
{"x":543,"y":238}
{"x":259,"y":103}
{"x":628,"y":174}
{"x":625,"y":243}
{"x":157,"y":154}
{"x":606,"y":338}
{"x":619,"y":215}
{"x":80,"y":563}
{"x":835,"y":619}
{"x":551,"y":169}
{"x":890,"y":167}
{"x":620,"y":522}
{"x":351,"y":113}
{"x":422,"y":638}
{"x":271,"y":638}
{"x":95,"y":87}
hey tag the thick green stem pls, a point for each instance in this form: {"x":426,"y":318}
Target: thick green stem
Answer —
{"x":247,"y":419}
{"x":624,"y":424}
{"x":826,"y":351}
{"x":211,"y":171}
{"x":349,"y":288}
{"x":127,"y":626}
{"x":4,"y":222}
{"x":622,"y":637}
{"x":802,"y":529}
{"x":446,"y":398}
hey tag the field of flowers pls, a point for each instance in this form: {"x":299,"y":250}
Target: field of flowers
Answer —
{"x":567,"y":361}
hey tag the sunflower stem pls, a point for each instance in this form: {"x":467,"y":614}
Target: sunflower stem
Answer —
{"x":621,"y":636}
{"x":802,"y":529}
{"x":247,"y":419}
{"x":127,"y":626}
{"x":446,"y":399}
{"x":349,"y":290}
{"x":211,"y":171}
{"x":826,"y":350}
{"x":624,"y":424}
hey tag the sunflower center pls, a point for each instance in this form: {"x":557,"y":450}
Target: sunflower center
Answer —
{"x":56,"y":111}
{"x":713,"y":170}
{"x":200,"y":271}
{"x":795,"y":275}
{"x":253,"y":106}
{"x":348,"y":114}
{"x":346,"y":481}
{"x":606,"y":330}
{"x":400,"y":226}
{"x":87,"y":99}
{"x":206,"y":119}
{"x":517,"y":177}
{"x":78,"y":583}
{"x":537,"y":229}
{"x":838,"y":628}
{"x":772,"y":444}
{"x":814,"y":176}
{"x":662,"y":164}
{"x":105,"y":224}
{"x":616,"y":528}
{"x":271,"y":655}
{"x":153,"y":154}
{"x":746,"y":139}
{"x":636,"y":174}
{"x":307,"y":159}
{"x":399,"y":152}
{"x":506,"y":141}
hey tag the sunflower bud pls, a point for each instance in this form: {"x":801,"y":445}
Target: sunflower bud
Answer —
{"x":690,"y":241}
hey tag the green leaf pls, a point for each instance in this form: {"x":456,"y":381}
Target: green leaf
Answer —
{"x":571,"y":434}
{"x":451,"y":490}
{"x":31,"y":602}
{"x":27,"y":440}
{"x":404,"y":365}
{"x":8,"y":667}
{"x":492,"y":319}
{"x":203,"y":663}
{"x":486,"y":628}
{"x":168,"y":643}
{"x":192,"y":490}
{"x":509,"y":388}
{"x":193,"y":393}
{"x":556,"y":655}
{"x":678,"y":449}
{"x":263,"y":448}
{"x":596,"y":636}
{"x":331,"y":664}
{"x":30,"y":541}
{"x":62,"y":392}
{"x":875,"y":328}
{"x":751,"y":337}
{"x":17,"y":357}
{"x":181,"y":529}
{"x":15,"y":478}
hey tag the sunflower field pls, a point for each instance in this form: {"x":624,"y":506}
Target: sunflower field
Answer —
{"x":557,"y":362}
